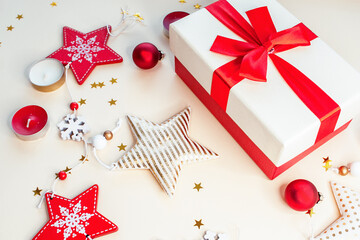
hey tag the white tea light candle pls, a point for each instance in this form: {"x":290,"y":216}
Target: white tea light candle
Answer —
{"x":47,"y":75}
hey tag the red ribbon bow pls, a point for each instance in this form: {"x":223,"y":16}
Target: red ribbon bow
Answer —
{"x":262,"y":40}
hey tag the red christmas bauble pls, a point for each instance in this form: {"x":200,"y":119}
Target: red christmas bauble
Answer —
{"x":301,"y":195}
{"x":62,"y":175}
{"x":146,"y":55}
{"x":74,"y":106}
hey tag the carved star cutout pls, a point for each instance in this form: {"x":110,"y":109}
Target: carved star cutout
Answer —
{"x":347,"y":226}
{"x":76,"y":219}
{"x":112,"y":102}
{"x":37,"y":191}
{"x":82,"y":101}
{"x":85,"y":51}
{"x":122,"y":147}
{"x":19,"y":16}
{"x":198,"y":223}
{"x":53,"y":4}
{"x":163,"y":148}
{"x":198,"y":186}
{"x":113,"y":80}
{"x":94,"y":85}
{"x":9,"y":28}
{"x":197,"y":6}
{"x":101,"y":84}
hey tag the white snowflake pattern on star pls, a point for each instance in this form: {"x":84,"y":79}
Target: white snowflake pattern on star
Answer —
{"x":73,"y":127}
{"x":83,"y":48}
{"x":72,"y":221}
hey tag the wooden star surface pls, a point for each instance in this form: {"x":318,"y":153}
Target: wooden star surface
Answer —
{"x":9,"y":28}
{"x":113,"y":80}
{"x":82,"y":101}
{"x":94,"y":85}
{"x":112,"y":102}
{"x":101,"y":84}
{"x":197,"y":6}
{"x":122,"y":147}
{"x":37,"y":191}
{"x":53,"y":4}
{"x":198,"y":186}
{"x":198,"y":223}
{"x":19,"y":16}
{"x":163,"y":149}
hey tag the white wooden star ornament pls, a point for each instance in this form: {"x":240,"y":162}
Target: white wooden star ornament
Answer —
{"x":347,"y":226}
{"x":163,"y":148}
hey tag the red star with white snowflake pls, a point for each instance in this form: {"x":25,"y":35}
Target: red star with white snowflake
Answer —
{"x":85,"y":51}
{"x":75,"y":219}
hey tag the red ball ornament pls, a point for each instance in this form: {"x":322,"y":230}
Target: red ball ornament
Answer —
{"x":146,"y":55}
{"x":74,"y":106}
{"x":301,"y":195}
{"x":62,"y":175}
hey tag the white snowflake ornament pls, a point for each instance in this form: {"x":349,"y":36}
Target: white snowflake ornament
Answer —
{"x":73,"y":127}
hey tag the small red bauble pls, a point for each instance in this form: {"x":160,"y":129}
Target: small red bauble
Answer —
{"x":74,"y":106}
{"x":146,"y":55}
{"x":301,"y":195}
{"x":62,"y":175}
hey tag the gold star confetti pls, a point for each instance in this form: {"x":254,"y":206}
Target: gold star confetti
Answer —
{"x":19,"y":16}
{"x":198,"y":186}
{"x":37,"y":191}
{"x":310,"y":212}
{"x":182,"y":1}
{"x":113,"y":80}
{"x":112,"y":102}
{"x":94,"y":85}
{"x":198,"y":223}
{"x":9,"y":28}
{"x":138,"y":17}
{"x":53,"y":4}
{"x":122,"y":147}
{"x":82,"y":101}
{"x":124,"y":12}
{"x":197,"y":6}
{"x":327,"y":162}
{"x":101,"y":84}
{"x":67,"y":170}
{"x":0,"y":44}
{"x":83,"y":159}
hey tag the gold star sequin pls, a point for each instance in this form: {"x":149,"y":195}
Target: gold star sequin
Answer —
{"x":138,"y":17}
{"x":37,"y":191}
{"x":198,"y":223}
{"x":83,"y":159}
{"x":182,"y":1}
{"x":112,"y":102}
{"x":9,"y":28}
{"x":124,"y":12}
{"x":101,"y":84}
{"x":53,"y":4}
{"x":163,"y":149}
{"x":113,"y":80}
{"x":198,"y":186}
{"x":327,"y":162}
{"x":122,"y":147}
{"x":347,"y":226}
{"x":82,"y":101}
{"x":19,"y":16}
{"x":67,"y":169}
{"x":0,"y":44}
{"x":94,"y":85}
{"x":310,"y":212}
{"x":197,"y":6}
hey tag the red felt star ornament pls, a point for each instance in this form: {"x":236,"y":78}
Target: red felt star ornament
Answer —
{"x":85,"y":51}
{"x":75,"y":219}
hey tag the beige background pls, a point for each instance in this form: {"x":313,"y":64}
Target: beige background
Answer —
{"x":237,"y":197}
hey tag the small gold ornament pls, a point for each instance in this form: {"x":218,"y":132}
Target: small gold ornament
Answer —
{"x":343,"y":170}
{"x":198,"y":223}
{"x":108,"y":135}
{"x":37,"y":191}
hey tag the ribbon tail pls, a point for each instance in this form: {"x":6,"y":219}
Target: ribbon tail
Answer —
{"x":318,"y":102}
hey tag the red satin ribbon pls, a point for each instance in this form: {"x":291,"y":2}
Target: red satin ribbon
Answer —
{"x":262,"y":40}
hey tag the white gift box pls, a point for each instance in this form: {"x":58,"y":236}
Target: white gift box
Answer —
{"x":267,"y":119}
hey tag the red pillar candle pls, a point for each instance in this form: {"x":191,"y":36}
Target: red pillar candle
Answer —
{"x":170,"y":18}
{"x":30,"y":122}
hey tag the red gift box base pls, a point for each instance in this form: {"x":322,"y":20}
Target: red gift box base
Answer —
{"x":264,"y":163}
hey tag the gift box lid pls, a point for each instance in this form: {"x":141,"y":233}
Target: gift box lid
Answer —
{"x":270,"y":113}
